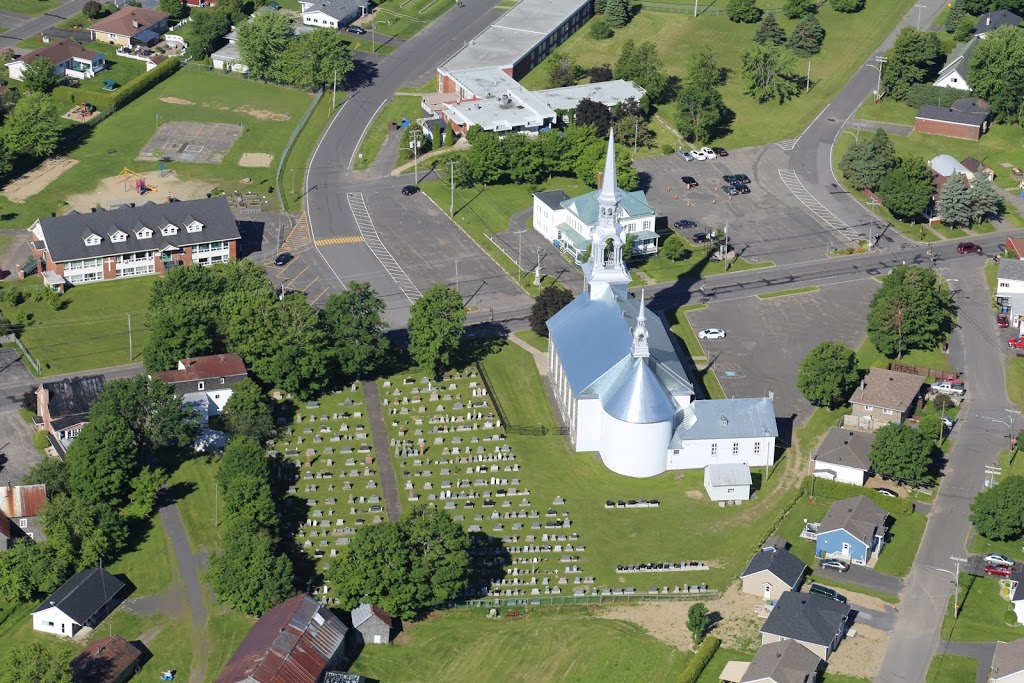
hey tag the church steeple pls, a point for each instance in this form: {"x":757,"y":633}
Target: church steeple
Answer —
{"x":640,"y":334}
{"x":606,"y":268}
{"x":610,"y":194}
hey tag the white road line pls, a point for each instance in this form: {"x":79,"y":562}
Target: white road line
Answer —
{"x":373,"y":241}
{"x":788,"y":145}
{"x":305,"y":199}
{"x":789,"y":177}
{"x":359,"y":142}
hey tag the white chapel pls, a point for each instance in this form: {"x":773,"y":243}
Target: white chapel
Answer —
{"x":619,"y":384}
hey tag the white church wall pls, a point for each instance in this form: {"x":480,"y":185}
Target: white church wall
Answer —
{"x":545,"y":219}
{"x":588,"y":425}
{"x":634,"y":450}
{"x":696,"y":455}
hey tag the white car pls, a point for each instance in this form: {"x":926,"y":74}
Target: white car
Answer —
{"x":998,"y":560}
{"x":946,"y":422}
{"x":709,"y":153}
{"x":949,"y":388}
{"x":713,"y":333}
{"x":699,"y":154}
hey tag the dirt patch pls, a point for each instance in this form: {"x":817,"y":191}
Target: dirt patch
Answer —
{"x":36,"y":180}
{"x":262,"y":113}
{"x":111,"y":191}
{"x":256,"y":160}
{"x":175,"y":100}
{"x":861,"y":655}
{"x":695,"y":495}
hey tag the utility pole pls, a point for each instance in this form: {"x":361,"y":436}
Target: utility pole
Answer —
{"x":636,"y":133}
{"x":695,"y":8}
{"x":451,"y":181}
{"x":878,"y":88}
{"x":956,"y":601}
{"x":293,"y":182}
{"x":808,"y":77}
{"x":457,"y":276}
{"x":416,"y":155}
{"x":131,"y":352}
{"x":991,"y":472}
{"x":519,"y":260}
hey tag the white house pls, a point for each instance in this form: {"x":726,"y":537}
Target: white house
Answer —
{"x":205,"y":382}
{"x":84,"y":600}
{"x":68,"y":59}
{"x":1010,"y":289}
{"x":954,"y":73}
{"x":727,"y":481}
{"x":331,"y":13}
{"x":844,"y":455}
{"x":1008,"y":662}
{"x":619,"y":383}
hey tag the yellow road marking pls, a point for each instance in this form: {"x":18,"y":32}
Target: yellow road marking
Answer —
{"x":338,"y":240}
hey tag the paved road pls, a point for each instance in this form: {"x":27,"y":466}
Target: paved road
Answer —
{"x":26,"y":27}
{"x":869,"y":578}
{"x":188,"y":569}
{"x":382,"y":447}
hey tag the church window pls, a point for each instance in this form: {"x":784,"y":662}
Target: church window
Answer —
{"x":735,"y":448}
{"x":714,"y":449}
{"x":757,"y":448}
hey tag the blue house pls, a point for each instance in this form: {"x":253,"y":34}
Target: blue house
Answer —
{"x":853,"y":530}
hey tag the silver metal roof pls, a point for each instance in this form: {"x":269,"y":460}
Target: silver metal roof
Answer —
{"x":729,"y":474}
{"x":637,"y":395}
{"x":729,"y":418}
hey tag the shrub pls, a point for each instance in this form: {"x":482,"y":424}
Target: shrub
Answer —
{"x":92,"y":9}
{"x":675,"y":248}
{"x":600,"y":30}
{"x":837,"y":490}
{"x":143,"y":83}
{"x":700,"y":660}
{"x":668,"y":149}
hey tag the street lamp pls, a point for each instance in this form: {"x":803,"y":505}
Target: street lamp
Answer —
{"x":878,"y":66}
{"x":956,"y":581}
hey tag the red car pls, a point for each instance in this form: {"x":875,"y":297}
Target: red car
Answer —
{"x":997,"y":571}
{"x":968,"y":248}
{"x":1002,"y":321}
{"x":1015,"y":342}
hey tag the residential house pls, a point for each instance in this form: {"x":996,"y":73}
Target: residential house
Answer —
{"x":784,"y":661}
{"x":372,"y":624}
{"x":967,"y":118}
{"x":1017,"y":594}
{"x":133,"y":240}
{"x":22,"y":505}
{"x":853,"y":530}
{"x":331,"y":13}
{"x":1008,"y":662}
{"x":205,"y":382}
{"x":130,"y":26}
{"x":954,"y":73}
{"x":727,"y":481}
{"x":68,"y":57}
{"x":1010,"y":290}
{"x":7,"y":532}
{"x":772,"y":572}
{"x":883,"y":397}
{"x":946,"y":165}
{"x":990,"y":21}
{"x":294,"y":642}
{"x":843,"y":455}
{"x":1015,"y":246}
{"x":816,"y":622}
{"x":107,"y":660}
{"x":84,"y":600}
{"x":975,"y":168}
{"x":62,"y":408}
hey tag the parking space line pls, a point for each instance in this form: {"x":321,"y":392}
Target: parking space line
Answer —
{"x":369,"y":235}
{"x":338,"y":240}
{"x":792,"y":181}
{"x":315,"y":301}
{"x":310,"y":285}
{"x":284,"y":273}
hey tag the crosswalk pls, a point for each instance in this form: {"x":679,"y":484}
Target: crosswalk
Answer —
{"x":792,"y":181}
{"x":368,"y":233}
{"x":338,"y":240}
{"x":788,"y":145}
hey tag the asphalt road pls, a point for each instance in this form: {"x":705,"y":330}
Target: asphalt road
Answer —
{"x":28,"y":27}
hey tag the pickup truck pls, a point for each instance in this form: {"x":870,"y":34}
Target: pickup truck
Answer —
{"x":953,"y":389}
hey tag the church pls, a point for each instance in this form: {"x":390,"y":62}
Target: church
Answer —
{"x":621,"y":387}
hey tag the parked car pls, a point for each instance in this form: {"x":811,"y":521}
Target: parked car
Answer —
{"x":684,"y":155}
{"x":946,"y":422}
{"x":702,"y":238}
{"x":712,"y":333}
{"x":730,"y":190}
{"x":888,"y":493}
{"x":998,"y":560}
{"x":698,"y":154}
{"x":708,"y":152}
{"x":968,"y":248}
{"x":997,"y":570}
{"x":731,"y":179}
{"x":1015,"y":342}
{"x":837,"y":565}
{"x":720,"y":151}
{"x":684,"y":224}
{"x":951,"y":388}
{"x":409,"y":190}
{"x":690,"y":180}
{"x":741,"y":188}
{"x":743,"y":178}
{"x":283,"y":258}
{"x":1002,"y":320}
{"x":358,"y":30}
{"x":818,"y":589}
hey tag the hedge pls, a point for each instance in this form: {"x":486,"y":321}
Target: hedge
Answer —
{"x":925,"y":93}
{"x":836,"y":490}
{"x":133,"y":89}
{"x":700,"y":660}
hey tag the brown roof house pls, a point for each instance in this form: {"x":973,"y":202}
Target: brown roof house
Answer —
{"x":205,"y":382}
{"x":22,"y":505}
{"x":108,"y":660}
{"x":130,"y":26}
{"x":372,"y":624}
{"x":63,"y":408}
{"x":69,"y":58}
{"x":1008,"y":662}
{"x":785,"y":661}
{"x":294,"y":642}
{"x":883,"y":396}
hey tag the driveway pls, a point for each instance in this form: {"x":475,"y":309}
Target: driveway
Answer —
{"x":865,"y":577}
{"x":17,"y":454}
{"x":883,"y":620}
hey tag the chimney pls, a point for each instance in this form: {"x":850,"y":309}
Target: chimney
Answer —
{"x":988,"y":19}
{"x":600,"y":178}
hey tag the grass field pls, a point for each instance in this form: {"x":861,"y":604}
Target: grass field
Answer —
{"x":870,"y":357}
{"x":886,"y":110}
{"x":30,"y":7}
{"x":533,"y":339}
{"x":544,"y":645}
{"x":197,"y":477}
{"x":810,"y":434}
{"x":297,"y":161}
{"x":151,"y":564}
{"x":698,"y":264}
{"x":787,"y":292}
{"x":951,"y":669}
{"x":92,"y":329}
{"x":118,"y":68}
{"x":402,"y":106}
{"x":1015,"y":381}
{"x":984,"y":615}
{"x":850,"y":40}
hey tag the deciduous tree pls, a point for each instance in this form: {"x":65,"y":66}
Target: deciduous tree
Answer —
{"x":998,"y":512}
{"x":642,"y":65}
{"x":743,"y":11}
{"x":698,"y":620}
{"x":101,"y":461}
{"x":40,"y":77}
{"x":435,"y":327}
{"x":144,"y":486}
{"x":769,"y":32}
{"x":591,"y":113}
{"x":768,"y":73}
{"x":82,"y":534}
{"x":151,"y":410}
{"x":525,"y":164}
{"x":249,"y":573}
{"x":317,"y":59}
{"x":175,"y":8}
{"x":33,"y":126}
{"x":913,"y":58}
{"x":848,"y":6}
{"x":600,"y":30}
{"x":37,"y":662}
{"x":997,"y":73}
{"x":243,"y":457}
{"x":909,"y":311}
{"x":866,"y":163}
{"x":261,"y":43}
{"x":28,"y":571}
{"x":562,"y":70}
{"x":354,"y":321}
{"x":52,"y":472}
{"x":549,"y":301}
{"x":92,"y":9}
{"x":247,"y":413}
{"x":208,"y":27}
{"x":828,"y":374}
{"x":794,"y":9}
{"x":930,"y":424}
{"x":675,"y":249}
{"x":902,"y":452}
{"x":907,"y":189}
{"x":700,"y":112}
{"x":705,"y":70}
{"x":600,"y":73}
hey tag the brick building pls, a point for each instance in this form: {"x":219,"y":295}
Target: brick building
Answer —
{"x":967,"y":118}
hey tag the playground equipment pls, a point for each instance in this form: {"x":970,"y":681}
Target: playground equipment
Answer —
{"x":134,"y":181}
{"x":167,"y":675}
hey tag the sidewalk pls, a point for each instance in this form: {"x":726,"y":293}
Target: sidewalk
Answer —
{"x":539,"y":357}
{"x":382,"y":448}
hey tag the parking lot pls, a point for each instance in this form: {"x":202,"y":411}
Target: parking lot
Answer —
{"x":769,"y":224}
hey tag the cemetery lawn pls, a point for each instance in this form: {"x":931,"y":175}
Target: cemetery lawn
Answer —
{"x":851,"y":39}
{"x":533,"y":339}
{"x":544,"y":645}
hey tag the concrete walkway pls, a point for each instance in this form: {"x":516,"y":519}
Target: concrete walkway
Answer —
{"x":539,"y":357}
{"x":381,"y":445}
{"x":188,"y":570}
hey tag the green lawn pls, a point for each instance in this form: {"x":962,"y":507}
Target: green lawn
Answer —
{"x":507,"y":367}
{"x":1015,"y":381}
{"x":951,"y":669}
{"x":722,"y":657}
{"x":118,"y":68}
{"x":887,"y":110}
{"x":850,"y":40}
{"x":225,"y":630}
{"x":30,"y":7}
{"x":827,"y":579}
{"x":984,"y":615}
{"x":870,"y":357}
{"x":810,"y":434}
{"x":698,"y":264}
{"x":787,"y":292}
{"x":92,"y":329}
{"x":544,"y":645}
{"x":405,"y":18}
{"x":150,"y":565}
{"x":402,"y":106}
{"x":198,"y":508}
{"x":533,"y":339}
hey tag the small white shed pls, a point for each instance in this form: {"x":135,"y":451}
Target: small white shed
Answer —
{"x":727,"y":481}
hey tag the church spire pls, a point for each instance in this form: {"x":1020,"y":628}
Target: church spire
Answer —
{"x":640,"y":334}
{"x":610,"y":193}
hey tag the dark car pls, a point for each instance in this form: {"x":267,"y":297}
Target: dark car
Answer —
{"x":1002,"y":320}
{"x":818,"y":589}
{"x":742,"y":188}
{"x":731,"y":179}
{"x":358,"y":30}
{"x":743,"y":178}
{"x":720,"y":151}
{"x":409,"y":190}
{"x":690,"y":180}
{"x":730,"y":190}
{"x":283,"y":258}
{"x":684,"y":224}
{"x":968,"y":248}
{"x":701,"y":238}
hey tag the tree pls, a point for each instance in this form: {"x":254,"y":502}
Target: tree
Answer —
{"x":317,"y":59}
{"x":40,"y":77}
{"x":591,"y":113}
{"x":700,"y":111}
{"x":998,"y":512}
{"x":705,"y":70}
{"x":954,"y":16}
{"x":354,"y":322}
{"x":964,"y":30}
{"x":848,"y":6}
{"x":769,"y":32}
{"x":177,"y":333}
{"x":248,"y":498}
{"x":930,"y":424}
{"x":631,"y":127}
{"x":28,"y":570}
{"x":866,"y":163}
{"x":562,"y":70}
{"x":438,"y":553}
{"x":525,"y":164}
{"x":145,"y":486}
{"x":262,"y":41}
{"x":151,"y":410}
{"x":208,"y":27}
{"x":828,"y":374}
{"x":82,"y":534}
{"x":600,"y":6}
{"x":301,"y":361}
{"x":985,"y":201}
{"x":249,"y":574}
{"x":955,"y":206}
{"x":698,"y":620}
{"x":52,"y":472}
{"x":92,"y":9}
{"x":33,"y":126}
{"x":101,"y":462}
{"x":617,"y":13}
{"x":549,"y":301}
{"x":675,"y":249}
{"x":600,"y":73}
{"x":902,"y":452}
{"x":247,"y":412}
{"x":243,"y":457}
{"x":600,"y":30}
{"x":486,"y":161}
{"x":435,"y":327}
{"x":768,"y":72}
{"x":909,"y":311}
{"x":794,"y":9}
{"x":37,"y":662}
{"x":743,"y":11}
{"x":907,"y":190}
{"x":996,"y":68}
{"x":913,"y":58}
{"x":642,"y":65}
{"x":807,"y":37}
{"x":175,"y":8}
